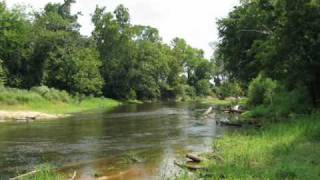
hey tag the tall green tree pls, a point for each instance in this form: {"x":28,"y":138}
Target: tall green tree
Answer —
{"x":76,"y":71}
{"x":15,"y":44}
{"x":278,"y":38}
{"x":113,"y":34}
{"x":151,"y":70}
{"x":62,"y":58}
{"x":195,"y":67}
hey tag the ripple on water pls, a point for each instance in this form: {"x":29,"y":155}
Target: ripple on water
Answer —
{"x":96,"y":142}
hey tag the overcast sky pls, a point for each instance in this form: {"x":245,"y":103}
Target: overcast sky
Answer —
{"x":193,"y":20}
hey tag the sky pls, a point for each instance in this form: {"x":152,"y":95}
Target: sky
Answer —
{"x":193,"y":20}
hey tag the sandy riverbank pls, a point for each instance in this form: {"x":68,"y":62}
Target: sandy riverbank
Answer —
{"x":27,"y":115}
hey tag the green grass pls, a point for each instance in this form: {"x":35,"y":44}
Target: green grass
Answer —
{"x":216,"y":101}
{"x":51,"y":101}
{"x":134,"y":102}
{"x":220,"y":102}
{"x":44,"y":172}
{"x":287,"y":150}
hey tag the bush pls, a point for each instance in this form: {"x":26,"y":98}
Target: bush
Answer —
{"x":11,"y":96}
{"x":3,"y":76}
{"x":261,"y":91}
{"x":203,"y":87}
{"x":52,"y":94}
{"x":42,"y":90}
{"x":258,"y":112}
{"x":270,"y":100}
{"x":132,"y":95}
{"x":189,"y":91}
{"x":184,"y":92}
{"x":228,"y":89}
{"x":288,"y":103}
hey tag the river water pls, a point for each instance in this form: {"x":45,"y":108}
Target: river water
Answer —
{"x":128,"y":142}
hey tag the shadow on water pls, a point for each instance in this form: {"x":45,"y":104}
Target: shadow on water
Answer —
{"x":95,"y":143}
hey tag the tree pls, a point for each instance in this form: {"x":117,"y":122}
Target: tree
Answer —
{"x":120,"y":60}
{"x":278,"y":38}
{"x":75,"y":70}
{"x":197,"y":69}
{"x":151,"y":70}
{"x":54,"y":28}
{"x":113,"y":34}
{"x":15,"y":44}
{"x":203,"y":87}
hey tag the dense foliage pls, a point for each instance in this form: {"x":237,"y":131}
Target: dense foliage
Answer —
{"x":120,"y":60}
{"x":279,"y":38}
{"x":268,"y":99}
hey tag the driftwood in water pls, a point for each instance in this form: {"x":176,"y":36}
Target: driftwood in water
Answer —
{"x":239,"y":124}
{"x":194,"y":158}
{"x":209,"y":110}
{"x":227,"y":123}
{"x":189,"y":166}
{"x":24,"y":175}
{"x":233,"y":111}
{"x":74,"y":175}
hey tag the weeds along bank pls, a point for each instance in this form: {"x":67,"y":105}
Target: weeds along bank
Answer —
{"x":49,"y":100}
{"x":287,"y":150}
{"x":287,"y":146}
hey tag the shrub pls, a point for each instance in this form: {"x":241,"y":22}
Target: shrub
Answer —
{"x":42,"y":90}
{"x":270,"y":100}
{"x":203,"y":87}
{"x":11,"y":96}
{"x":184,"y":92}
{"x":52,"y":94}
{"x":258,"y":112}
{"x":261,"y":91}
{"x":189,"y":91}
{"x":132,"y":95}
{"x":228,"y":89}
{"x":287,"y":103}
{"x":3,"y":76}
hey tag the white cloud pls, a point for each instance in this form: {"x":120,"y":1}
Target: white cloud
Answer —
{"x":193,"y":20}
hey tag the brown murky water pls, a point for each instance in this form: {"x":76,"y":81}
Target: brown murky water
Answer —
{"x":129,"y":142}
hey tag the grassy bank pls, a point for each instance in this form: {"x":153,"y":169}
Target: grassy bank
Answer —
{"x":221,"y":102}
{"x":46,"y":100}
{"x":287,"y":150}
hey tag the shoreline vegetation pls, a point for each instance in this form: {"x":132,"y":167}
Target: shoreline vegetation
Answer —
{"x":43,"y":103}
{"x":46,"y":103}
{"x":285,"y":150}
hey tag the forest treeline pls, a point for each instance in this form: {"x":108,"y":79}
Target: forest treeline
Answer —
{"x":119,"y":60}
{"x":270,"y":47}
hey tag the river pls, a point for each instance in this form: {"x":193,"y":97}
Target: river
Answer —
{"x":129,"y":142}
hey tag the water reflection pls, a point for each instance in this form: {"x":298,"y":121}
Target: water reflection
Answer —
{"x":93,"y":143}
